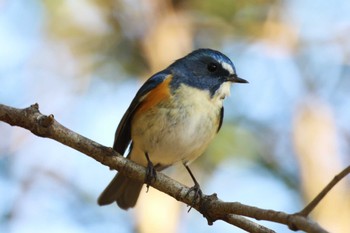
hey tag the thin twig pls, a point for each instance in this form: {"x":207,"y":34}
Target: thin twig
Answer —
{"x":307,"y":210}
{"x":247,"y":225}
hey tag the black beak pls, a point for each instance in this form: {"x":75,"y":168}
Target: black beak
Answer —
{"x":235,"y":79}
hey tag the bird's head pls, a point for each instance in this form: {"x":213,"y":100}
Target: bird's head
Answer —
{"x":206,"y":69}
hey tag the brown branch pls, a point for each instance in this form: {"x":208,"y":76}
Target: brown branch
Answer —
{"x":307,"y":210}
{"x":246,"y":225}
{"x":210,"y":206}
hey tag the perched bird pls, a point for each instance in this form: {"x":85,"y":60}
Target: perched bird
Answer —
{"x":173,"y":117}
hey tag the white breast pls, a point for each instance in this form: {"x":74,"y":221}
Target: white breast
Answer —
{"x":178,"y":132}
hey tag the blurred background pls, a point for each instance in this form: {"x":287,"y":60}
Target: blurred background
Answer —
{"x":285,"y":134}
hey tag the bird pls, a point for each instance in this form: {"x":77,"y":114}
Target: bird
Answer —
{"x":172,"y":119}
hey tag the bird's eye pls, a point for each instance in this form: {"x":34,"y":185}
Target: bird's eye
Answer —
{"x":212,"y":67}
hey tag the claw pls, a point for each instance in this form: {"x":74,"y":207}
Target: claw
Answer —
{"x":151,"y":173}
{"x":196,"y":196}
{"x":196,"y":189}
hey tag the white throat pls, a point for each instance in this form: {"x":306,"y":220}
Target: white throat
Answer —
{"x":221,"y":93}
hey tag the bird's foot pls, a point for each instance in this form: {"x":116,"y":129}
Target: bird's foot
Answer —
{"x":196,"y":189}
{"x":151,"y":173}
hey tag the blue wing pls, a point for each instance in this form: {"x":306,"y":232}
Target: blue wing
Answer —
{"x":123,"y":133}
{"x":221,"y":119}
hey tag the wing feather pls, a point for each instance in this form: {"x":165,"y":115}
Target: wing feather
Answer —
{"x":221,"y":119}
{"x":123,"y":133}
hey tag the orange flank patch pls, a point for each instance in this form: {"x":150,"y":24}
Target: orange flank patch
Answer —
{"x":155,"y":96}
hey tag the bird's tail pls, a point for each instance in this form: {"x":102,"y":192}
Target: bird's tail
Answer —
{"x":122,"y":190}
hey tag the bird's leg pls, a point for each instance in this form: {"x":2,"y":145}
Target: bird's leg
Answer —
{"x":195,"y":188}
{"x":151,"y":173}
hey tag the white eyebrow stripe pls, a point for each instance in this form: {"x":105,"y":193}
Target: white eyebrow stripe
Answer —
{"x":227,"y":67}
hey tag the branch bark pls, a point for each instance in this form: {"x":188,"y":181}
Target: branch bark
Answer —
{"x":210,"y":206}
